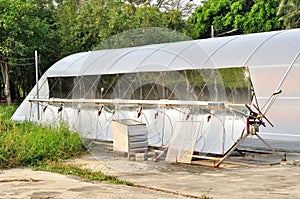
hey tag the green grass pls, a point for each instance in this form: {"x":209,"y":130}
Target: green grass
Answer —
{"x":7,"y":111}
{"x":43,"y":148}
{"x":26,"y":144}
{"x":69,"y":169}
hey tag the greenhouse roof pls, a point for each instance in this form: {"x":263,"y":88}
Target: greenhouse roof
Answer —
{"x":278,"y":48}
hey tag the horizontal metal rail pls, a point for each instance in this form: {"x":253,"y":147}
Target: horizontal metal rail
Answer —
{"x":164,"y":102}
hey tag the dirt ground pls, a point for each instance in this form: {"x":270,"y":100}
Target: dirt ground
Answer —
{"x":235,"y":179}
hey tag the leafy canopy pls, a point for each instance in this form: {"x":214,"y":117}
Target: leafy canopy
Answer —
{"x":84,"y":25}
{"x":289,"y":13}
{"x":233,"y":17}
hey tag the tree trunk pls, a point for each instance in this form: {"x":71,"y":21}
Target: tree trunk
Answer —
{"x":4,"y":70}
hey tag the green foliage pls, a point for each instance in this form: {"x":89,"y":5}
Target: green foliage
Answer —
{"x":234,"y":17}
{"x":69,"y":169}
{"x":24,"y":27}
{"x":7,"y":111}
{"x":262,"y":17}
{"x":235,"y":77}
{"x":83,"y":26}
{"x":211,"y":13}
{"x":23,"y":144}
{"x":289,"y":13}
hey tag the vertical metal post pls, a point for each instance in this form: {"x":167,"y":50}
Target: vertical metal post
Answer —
{"x":212,"y":31}
{"x":37,"y":82}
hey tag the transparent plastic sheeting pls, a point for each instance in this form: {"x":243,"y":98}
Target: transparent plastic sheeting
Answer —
{"x":219,"y":128}
{"x":181,"y":147}
{"x":215,"y":135}
{"x":268,"y":56}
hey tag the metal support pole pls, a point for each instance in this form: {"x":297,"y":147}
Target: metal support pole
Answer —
{"x":232,"y":149}
{"x":37,"y":82}
{"x":261,"y":139}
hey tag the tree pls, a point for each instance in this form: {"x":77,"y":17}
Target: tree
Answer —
{"x":185,"y":7}
{"x":82,"y":26}
{"x":289,"y":13}
{"x":219,"y":13}
{"x":262,"y":17}
{"x":22,"y":31}
{"x":233,"y":17}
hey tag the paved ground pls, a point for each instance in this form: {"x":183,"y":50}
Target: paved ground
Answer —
{"x":171,"y":181}
{"x":229,"y":181}
{"x":266,"y":177}
{"x":25,"y":183}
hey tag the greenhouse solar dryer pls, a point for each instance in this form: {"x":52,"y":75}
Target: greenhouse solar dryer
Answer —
{"x":194,"y":99}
